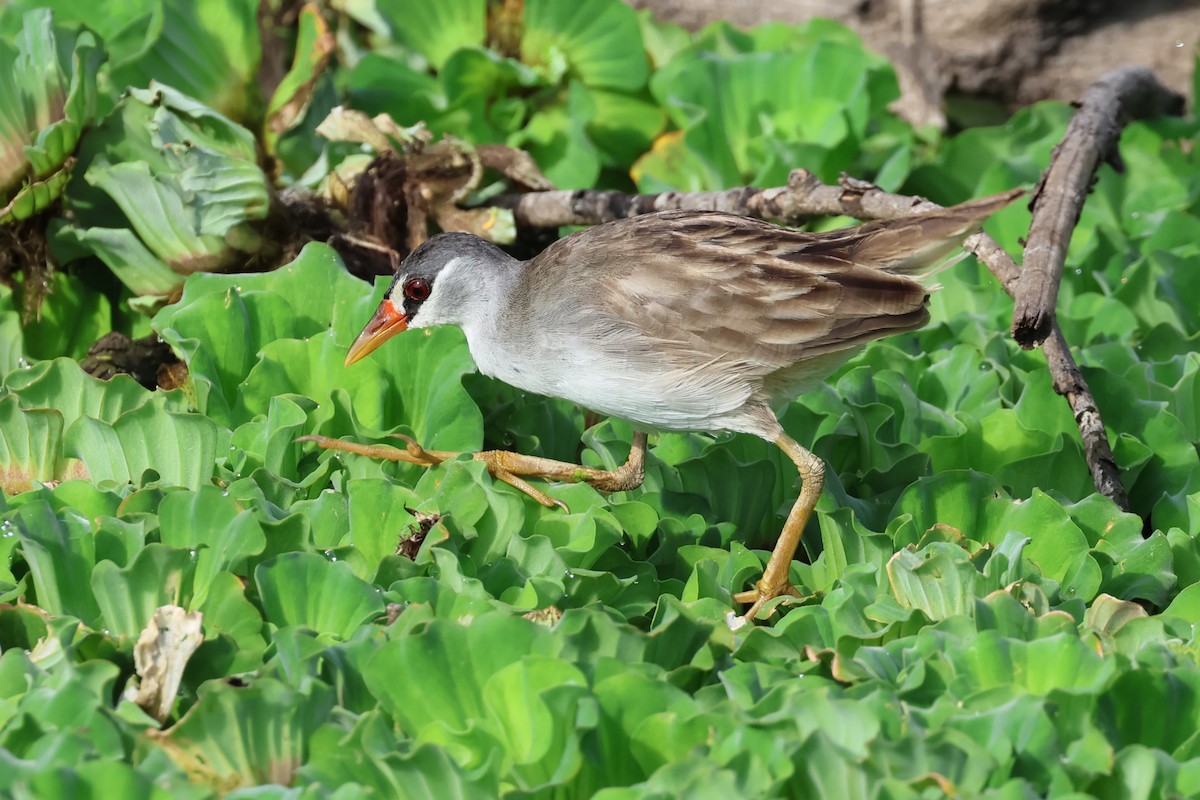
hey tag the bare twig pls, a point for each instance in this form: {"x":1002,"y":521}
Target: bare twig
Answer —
{"x":803,"y":197}
{"x":1123,"y":94}
{"x":806,"y":196}
{"x":591,"y":207}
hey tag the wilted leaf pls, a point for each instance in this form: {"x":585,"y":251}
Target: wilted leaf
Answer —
{"x":30,"y":445}
{"x":160,"y":655}
{"x":314,"y":47}
{"x":47,"y":98}
{"x":1107,"y":614}
{"x":248,"y":736}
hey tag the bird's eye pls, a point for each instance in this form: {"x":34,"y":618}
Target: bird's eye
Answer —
{"x":417,"y":289}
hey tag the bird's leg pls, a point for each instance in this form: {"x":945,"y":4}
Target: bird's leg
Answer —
{"x":774,"y":581}
{"x":512,"y":468}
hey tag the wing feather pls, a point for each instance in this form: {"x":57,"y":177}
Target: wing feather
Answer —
{"x":713,"y":308}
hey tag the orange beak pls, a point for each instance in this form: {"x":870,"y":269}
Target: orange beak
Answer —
{"x":386,"y":323}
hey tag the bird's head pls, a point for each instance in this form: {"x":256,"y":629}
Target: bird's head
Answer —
{"x":442,"y":282}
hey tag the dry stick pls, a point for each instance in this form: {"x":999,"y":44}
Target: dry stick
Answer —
{"x":1119,"y":96}
{"x":805,"y":196}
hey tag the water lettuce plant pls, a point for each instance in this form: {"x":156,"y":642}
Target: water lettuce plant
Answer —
{"x":976,"y":621}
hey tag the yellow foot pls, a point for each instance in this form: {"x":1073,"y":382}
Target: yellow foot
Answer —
{"x":774,"y":582}
{"x":763,"y":593}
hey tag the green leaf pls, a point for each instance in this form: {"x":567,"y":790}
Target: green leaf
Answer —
{"x":309,"y":590}
{"x":532,"y":704}
{"x":484,"y":515}
{"x":939,"y":580}
{"x":663,"y":40}
{"x":1186,"y":604}
{"x":1059,"y":662}
{"x":1016,"y":151}
{"x":556,"y":137}
{"x":122,"y":252}
{"x":407,"y":774}
{"x":1055,"y":541}
{"x":36,"y":196}
{"x":158,"y":216}
{"x":70,"y":320}
{"x":227,"y":612}
{"x":219,"y":337}
{"x":94,"y":779}
{"x":62,"y":385}
{"x":1153,"y":708}
{"x":380,"y":84}
{"x":317,"y":271}
{"x":600,"y":40}
{"x":822,"y":96}
{"x":272,"y":437}
{"x":379,"y":517}
{"x":221,"y":39}
{"x":624,"y":126}
{"x":432,"y":682}
{"x":128,"y":596}
{"x":61,"y":554}
{"x":179,"y":448}
{"x":425,"y":373}
{"x":215,"y":528}
{"x":314,"y":367}
{"x":436,"y":30}
{"x":12,"y":338}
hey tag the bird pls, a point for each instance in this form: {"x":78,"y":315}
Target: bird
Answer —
{"x":676,"y":320}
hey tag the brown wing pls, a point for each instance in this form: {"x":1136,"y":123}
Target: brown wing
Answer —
{"x":728,"y":285}
{"x":723,"y":284}
{"x":677,"y":293}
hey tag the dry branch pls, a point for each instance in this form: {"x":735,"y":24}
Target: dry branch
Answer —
{"x":805,"y":196}
{"x":1121,"y":95}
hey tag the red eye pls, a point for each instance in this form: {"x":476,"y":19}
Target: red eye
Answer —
{"x":417,"y":289}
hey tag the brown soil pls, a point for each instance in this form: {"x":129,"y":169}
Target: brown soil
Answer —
{"x":1012,"y":51}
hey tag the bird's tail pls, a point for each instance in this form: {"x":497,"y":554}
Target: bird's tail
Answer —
{"x":925,"y":244}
